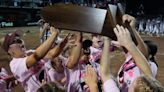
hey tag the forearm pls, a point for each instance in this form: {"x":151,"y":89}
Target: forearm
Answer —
{"x":141,"y":45}
{"x":93,"y":88}
{"x":139,"y":59}
{"x":41,"y":51}
{"x":43,"y":48}
{"x":73,"y":59}
{"x":105,"y":61}
{"x":56,"y":50}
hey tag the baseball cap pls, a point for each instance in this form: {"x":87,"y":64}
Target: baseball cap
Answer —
{"x":8,"y":40}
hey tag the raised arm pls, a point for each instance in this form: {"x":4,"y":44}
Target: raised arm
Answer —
{"x":42,"y":50}
{"x":57,"y":49}
{"x":141,"y":45}
{"x":124,"y":38}
{"x":109,"y":85}
{"x":73,"y":59}
{"x":105,"y":61}
{"x":91,"y":79}
{"x":43,"y":30}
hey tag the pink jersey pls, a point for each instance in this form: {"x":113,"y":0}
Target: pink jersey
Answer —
{"x":55,"y":76}
{"x":110,"y":86}
{"x":76,"y":80}
{"x":75,"y":76}
{"x":129,"y":72}
{"x":3,"y":84}
{"x":95,"y":54}
{"x":29,"y":78}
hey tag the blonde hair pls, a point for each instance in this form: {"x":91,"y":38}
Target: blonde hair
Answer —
{"x":148,"y":84}
{"x":51,"y":87}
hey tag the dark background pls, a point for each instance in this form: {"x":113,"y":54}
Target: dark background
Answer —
{"x":151,"y":7}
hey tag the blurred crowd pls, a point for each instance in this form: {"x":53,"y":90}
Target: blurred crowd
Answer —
{"x":151,"y":26}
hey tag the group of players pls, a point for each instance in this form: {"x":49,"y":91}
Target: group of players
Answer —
{"x":72,"y":64}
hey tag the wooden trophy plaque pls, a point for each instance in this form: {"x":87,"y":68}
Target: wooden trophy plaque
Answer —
{"x":80,"y":18}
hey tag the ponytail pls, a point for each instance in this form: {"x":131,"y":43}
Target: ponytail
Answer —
{"x":152,"y":59}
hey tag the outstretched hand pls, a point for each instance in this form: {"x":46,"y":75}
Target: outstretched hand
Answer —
{"x":90,"y":76}
{"x":54,"y":30}
{"x":129,"y":19}
{"x":123,"y":35}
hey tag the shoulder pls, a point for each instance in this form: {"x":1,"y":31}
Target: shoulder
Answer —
{"x":153,"y":68}
{"x":52,"y":71}
{"x":110,"y":84}
{"x":153,"y":64}
{"x":17,"y":62}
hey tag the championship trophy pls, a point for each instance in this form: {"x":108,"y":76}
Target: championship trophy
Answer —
{"x":86,"y":19}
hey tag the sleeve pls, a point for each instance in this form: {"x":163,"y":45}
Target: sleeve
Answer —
{"x":48,"y":65}
{"x":110,"y":86}
{"x":51,"y":74}
{"x":64,"y":60}
{"x":20,"y":70}
{"x":154,"y":68}
{"x":4,"y":71}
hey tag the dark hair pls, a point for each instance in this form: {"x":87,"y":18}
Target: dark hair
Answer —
{"x":152,"y":49}
{"x":86,"y":44}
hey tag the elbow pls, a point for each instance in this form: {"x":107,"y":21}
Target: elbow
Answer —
{"x":36,"y":56}
{"x":71,"y":64}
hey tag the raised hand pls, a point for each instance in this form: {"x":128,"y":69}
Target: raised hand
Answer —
{"x":91,"y":78}
{"x":54,"y":30}
{"x":129,"y":19}
{"x":123,"y":35}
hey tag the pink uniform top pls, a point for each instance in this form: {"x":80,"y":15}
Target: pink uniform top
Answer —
{"x":55,"y":76}
{"x":110,"y":86}
{"x":129,"y":72}
{"x":29,"y":78}
{"x":76,"y":82}
{"x":3,"y":85}
{"x":95,"y":54}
